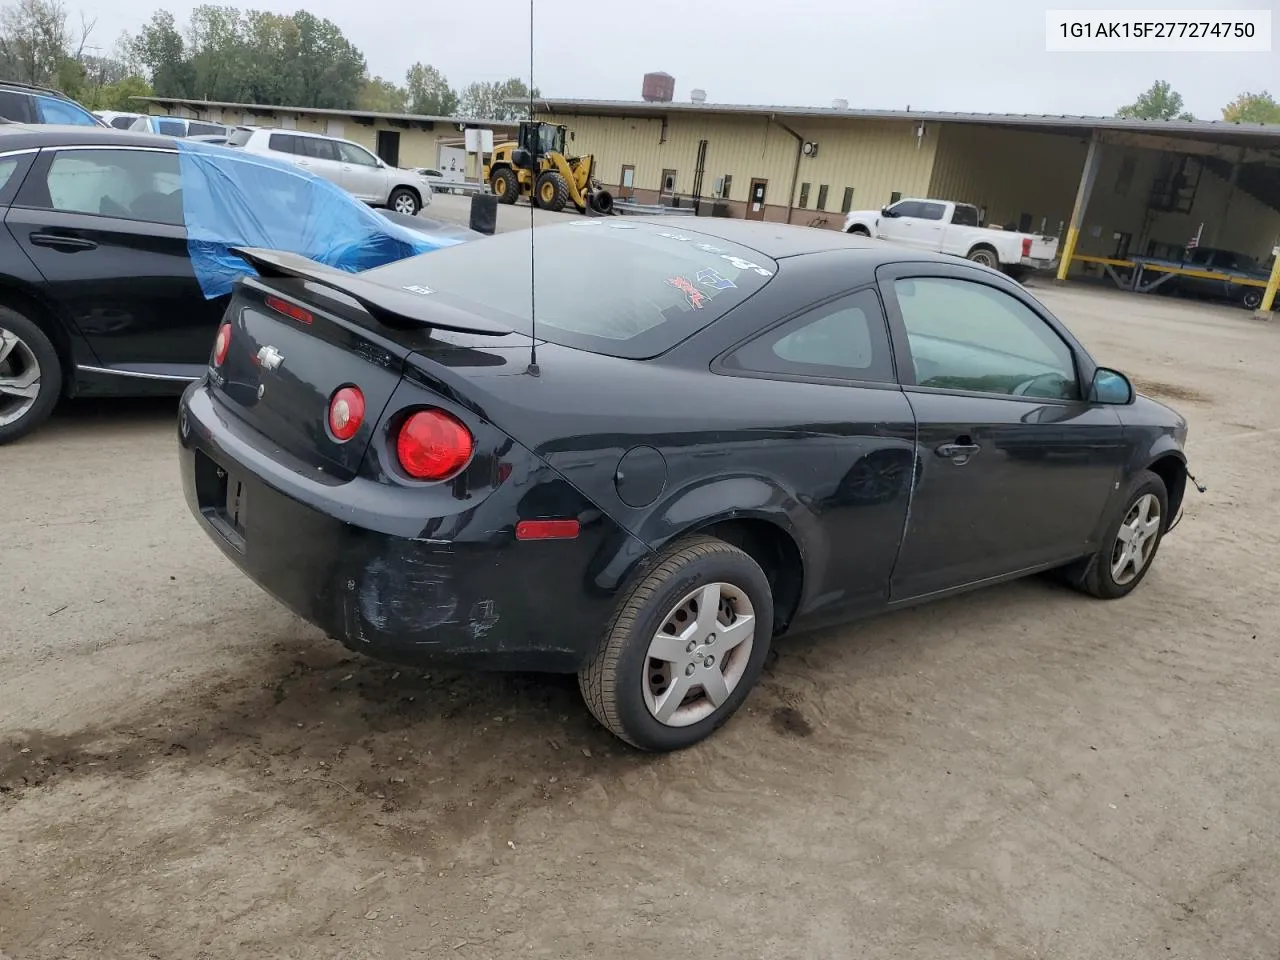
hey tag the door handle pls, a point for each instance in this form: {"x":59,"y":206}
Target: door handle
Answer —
{"x":958,"y":451}
{"x":62,"y":242}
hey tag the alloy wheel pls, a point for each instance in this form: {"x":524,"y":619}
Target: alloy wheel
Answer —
{"x":699,"y":654}
{"x":405,"y":204}
{"x":1136,"y":541}
{"x":19,"y":378}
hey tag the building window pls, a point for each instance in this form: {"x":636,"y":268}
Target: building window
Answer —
{"x":804,"y":196}
{"x":847,"y":203}
{"x":725,"y":187}
{"x":895,"y":196}
{"x":822,"y":197}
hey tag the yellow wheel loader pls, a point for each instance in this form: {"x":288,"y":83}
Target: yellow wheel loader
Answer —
{"x":534,"y":166}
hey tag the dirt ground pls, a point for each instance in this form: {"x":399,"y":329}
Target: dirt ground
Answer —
{"x":186,"y":771}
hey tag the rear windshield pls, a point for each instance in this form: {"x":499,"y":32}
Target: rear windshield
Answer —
{"x":609,"y":286}
{"x":239,"y":136}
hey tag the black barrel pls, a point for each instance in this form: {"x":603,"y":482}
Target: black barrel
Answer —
{"x":484,"y":213}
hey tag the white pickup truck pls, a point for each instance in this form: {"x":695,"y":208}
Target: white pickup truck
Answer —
{"x":942,"y":226}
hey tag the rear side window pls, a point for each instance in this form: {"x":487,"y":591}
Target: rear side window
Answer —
{"x":8,"y":166}
{"x":196,"y":129}
{"x":122,"y":123}
{"x":845,"y":340}
{"x":965,"y":216}
{"x":623,"y":289}
{"x":53,"y":110}
{"x":16,"y":107}
{"x":127,"y":184}
{"x":283,"y":142}
{"x":170,"y":126}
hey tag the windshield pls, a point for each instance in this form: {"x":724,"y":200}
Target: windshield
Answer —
{"x":623,"y":289}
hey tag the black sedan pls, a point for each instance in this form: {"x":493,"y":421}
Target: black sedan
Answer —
{"x":97,"y":291}
{"x":709,"y":435}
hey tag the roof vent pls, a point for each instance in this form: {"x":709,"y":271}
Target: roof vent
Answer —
{"x":698,"y":96}
{"x":839,"y":104}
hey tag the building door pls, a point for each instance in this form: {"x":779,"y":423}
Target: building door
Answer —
{"x":755,"y":199}
{"x":668,"y":184}
{"x":389,"y":147}
{"x":627,"y":183}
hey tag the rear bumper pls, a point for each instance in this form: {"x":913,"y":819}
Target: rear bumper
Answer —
{"x":354,"y":560}
{"x":1037,"y":263}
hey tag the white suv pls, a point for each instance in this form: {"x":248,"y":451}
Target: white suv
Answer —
{"x":347,"y":164}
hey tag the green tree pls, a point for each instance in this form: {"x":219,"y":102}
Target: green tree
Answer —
{"x":429,"y":92}
{"x":383,"y":96}
{"x":1159,"y":102}
{"x":329,"y":69}
{"x":34,"y":40}
{"x":496,"y":100}
{"x":1252,"y":108}
{"x":119,"y":94}
{"x":162,"y":54}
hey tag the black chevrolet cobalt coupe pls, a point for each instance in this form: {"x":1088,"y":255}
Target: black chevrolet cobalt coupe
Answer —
{"x":678,"y":443}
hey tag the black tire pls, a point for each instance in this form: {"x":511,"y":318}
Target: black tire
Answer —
{"x":403,"y":200}
{"x":33,"y":344}
{"x":859,"y":231}
{"x":505,"y":185}
{"x":602,"y":202}
{"x":613,"y":683}
{"x":551,"y":191}
{"x":1096,"y":578}
{"x":1251,"y":299}
{"x":985,"y":256}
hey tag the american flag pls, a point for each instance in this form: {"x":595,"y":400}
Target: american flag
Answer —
{"x":1195,"y":241}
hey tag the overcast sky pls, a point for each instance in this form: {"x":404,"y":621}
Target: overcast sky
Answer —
{"x":929,"y":54}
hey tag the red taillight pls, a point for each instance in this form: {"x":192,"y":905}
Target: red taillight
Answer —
{"x":1026,"y":246}
{"x":346,"y":413}
{"x":290,"y":310}
{"x":547,"y":529}
{"x":222,"y":344}
{"x":432,"y":445}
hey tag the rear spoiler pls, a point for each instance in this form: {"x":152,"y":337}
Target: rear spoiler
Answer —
{"x":391,"y":306}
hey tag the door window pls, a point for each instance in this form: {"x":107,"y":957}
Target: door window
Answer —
{"x":907,"y":208}
{"x":195,"y":129}
{"x":350,"y":153}
{"x":317,"y":149}
{"x":16,"y":107}
{"x":972,"y":337}
{"x":930,"y":211}
{"x":53,"y":110}
{"x":128,"y":184}
{"x":170,"y":126}
{"x":845,"y":339}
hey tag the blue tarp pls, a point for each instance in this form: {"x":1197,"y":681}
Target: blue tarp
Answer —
{"x":236,"y":199}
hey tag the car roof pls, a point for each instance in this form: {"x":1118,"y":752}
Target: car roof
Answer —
{"x":33,"y":89}
{"x":777,"y":240}
{"x":25,"y":136}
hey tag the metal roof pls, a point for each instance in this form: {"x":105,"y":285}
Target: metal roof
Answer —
{"x":1264,"y":135}
{"x":323,"y":111}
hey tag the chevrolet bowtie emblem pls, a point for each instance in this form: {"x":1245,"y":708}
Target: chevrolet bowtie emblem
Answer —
{"x":269,"y":358}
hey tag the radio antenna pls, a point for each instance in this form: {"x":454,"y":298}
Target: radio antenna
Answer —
{"x":533,"y":199}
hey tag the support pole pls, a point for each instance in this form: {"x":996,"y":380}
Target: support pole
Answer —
{"x":1091,"y":162}
{"x":1269,"y":298}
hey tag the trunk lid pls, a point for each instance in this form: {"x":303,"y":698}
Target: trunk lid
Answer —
{"x":302,"y":331}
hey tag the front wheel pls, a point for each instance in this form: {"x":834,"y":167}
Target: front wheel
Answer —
{"x":404,"y":200}
{"x":1131,"y":542}
{"x":684,"y":648}
{"x":1252,"y":299}
{"x":505,"y":185}
{"x":30,"y":376}
{"x":858,"y":231}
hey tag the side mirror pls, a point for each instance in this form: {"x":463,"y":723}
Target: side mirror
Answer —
{"x":1111,"y":387}
{"x":886,"y":212}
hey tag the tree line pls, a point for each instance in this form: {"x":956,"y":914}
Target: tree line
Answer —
{"x":228,"y":54}
{"x":1161,"y":102}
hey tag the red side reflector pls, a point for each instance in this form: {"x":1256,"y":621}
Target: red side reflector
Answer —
{"x":547,"y":529}
{"x":290,"y":310}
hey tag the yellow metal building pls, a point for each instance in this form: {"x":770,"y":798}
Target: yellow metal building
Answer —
{"x":401,"y":139}
{"x":811,"y":165}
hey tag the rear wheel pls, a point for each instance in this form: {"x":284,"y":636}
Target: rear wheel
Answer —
{"x":985,"y":256}
{"x":30,"y":375}
{"x":552,"y":191}
{"x":684,"y":648}
{"x":1252,"y":299}
{"x":403,"y":200}
{"x":505,"y":185}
